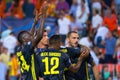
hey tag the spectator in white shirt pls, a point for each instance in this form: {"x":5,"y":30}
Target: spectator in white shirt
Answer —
{"x":82,"y":16}
{"x":87,"y":41}
{"x":10,"y":42}
{"x":96,"y":19}
{"x":64,"y":25}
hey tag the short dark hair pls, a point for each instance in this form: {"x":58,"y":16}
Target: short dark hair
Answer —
{"x":12,"y":33}
{"x":20,"y":35}
{"x":97,"y":12}
{"x":69,"y":33}
{"x":45,"y":31}
{"x":53,"y":39}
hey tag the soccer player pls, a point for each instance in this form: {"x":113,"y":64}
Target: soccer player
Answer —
{"x":51,"y":62}
{"x":82,"y":74}
{"x":25,"y":52}
{"x":44,"y":42}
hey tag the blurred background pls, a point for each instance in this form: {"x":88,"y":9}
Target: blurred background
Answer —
{"x":96,"y":21}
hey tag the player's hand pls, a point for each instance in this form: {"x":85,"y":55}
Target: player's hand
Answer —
{"x":84,"y":55}
{"x":37,"y":16}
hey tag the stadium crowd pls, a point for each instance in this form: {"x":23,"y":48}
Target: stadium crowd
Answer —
{"x":96,"y":21}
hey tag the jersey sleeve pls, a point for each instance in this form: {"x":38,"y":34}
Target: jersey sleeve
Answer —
{"x":73,"y":52}
{"x":89,"y":59}
{"x":67,"y":60}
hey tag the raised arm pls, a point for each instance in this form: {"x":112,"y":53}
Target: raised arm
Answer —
{"x":37,"y":17}
{"x":40,"y":30}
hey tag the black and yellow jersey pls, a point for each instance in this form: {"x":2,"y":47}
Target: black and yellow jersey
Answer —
{"x":83,"y":72}
{"x":25,"y":54}
{"x":50,"y":64}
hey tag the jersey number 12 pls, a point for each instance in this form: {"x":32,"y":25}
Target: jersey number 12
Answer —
{"x":54,"y":62}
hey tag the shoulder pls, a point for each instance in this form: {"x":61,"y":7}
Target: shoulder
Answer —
{"x":63,"y":49}
{"x":18,"y":48}
{"x":39,"y":50}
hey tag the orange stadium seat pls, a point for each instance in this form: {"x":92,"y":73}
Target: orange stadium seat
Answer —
{"x":100,"y":66}
{"x":111,"y":67}
{"x":117,"y":66}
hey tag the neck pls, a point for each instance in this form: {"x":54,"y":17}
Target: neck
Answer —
{"x":53,"y":46}
{"x":40,"y":45}
{"x":70,"y":45}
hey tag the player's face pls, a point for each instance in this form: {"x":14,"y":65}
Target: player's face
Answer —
{"x":44,"y":40}
{"x":27,"y":37}
{"x":73,"y":39}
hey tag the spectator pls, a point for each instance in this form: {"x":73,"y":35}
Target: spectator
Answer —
{"x":14,"y":68}
{"x":62,"y":5}
{"x":82,"y":3}
{"x":81,"y":13}
{"x":3,"y":70}
{"x":64,"y":25}
{"x":28,"y":8}
{"x":19,"y":11}
{"x":5,"y":56}
{"x":110,"y":20}
{"x":96,"y":20}
{"x":6,"y":33}
{"x":87,"y":41}
{"x":105,"y":73}
{"x":16,"y":9}
{"x":2,"y":8}
{"x":100,"y":35}
{"x":10,"y":42}
{"x":8,"y":5}
{"x":110,"y":44}
{"x":52,"y":9}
